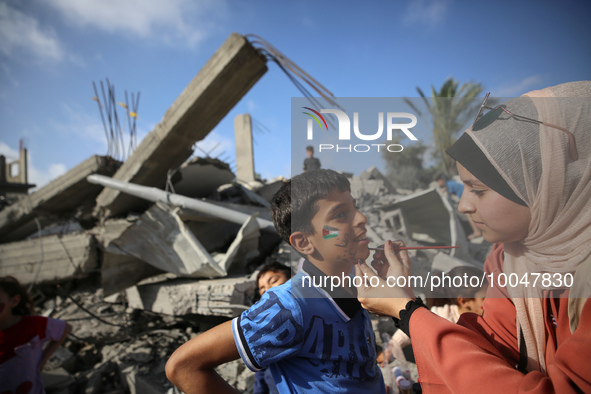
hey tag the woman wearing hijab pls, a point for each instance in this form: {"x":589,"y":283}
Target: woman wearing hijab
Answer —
{"x":527,"y":171}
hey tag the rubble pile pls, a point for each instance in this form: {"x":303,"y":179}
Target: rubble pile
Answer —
{"x":141,"y":256}
{"x":114,"y":348}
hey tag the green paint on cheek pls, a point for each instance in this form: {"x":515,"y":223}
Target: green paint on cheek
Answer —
{"x":329,"y":232}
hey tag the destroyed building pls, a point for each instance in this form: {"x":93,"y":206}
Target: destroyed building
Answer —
{"x":139,"y":259}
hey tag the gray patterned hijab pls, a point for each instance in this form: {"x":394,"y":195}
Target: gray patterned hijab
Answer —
{"x":537,"y":163}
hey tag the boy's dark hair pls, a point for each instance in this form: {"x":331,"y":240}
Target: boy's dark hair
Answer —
{"x":12,"y":287}
{"x":310,"y":147}
{"x":274,"y":266}
{"x":440,"y":176}
{"x":294,"y":205}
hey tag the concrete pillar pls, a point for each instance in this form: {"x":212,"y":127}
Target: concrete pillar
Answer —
{"x":2,"y":168}
{"x":244,"y":151}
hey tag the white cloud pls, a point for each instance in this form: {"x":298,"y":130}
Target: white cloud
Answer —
{"x":518,"y":88}
{"x":183,"y":22}
{"x":22,"y":33}
{"x":37,"y":176}
{"x":8,"y":152}
{"x":426,"y":12}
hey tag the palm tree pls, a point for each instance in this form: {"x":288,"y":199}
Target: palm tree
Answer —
{"x":450,"y":109}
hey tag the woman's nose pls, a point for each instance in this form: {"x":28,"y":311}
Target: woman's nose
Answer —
{"x":465,"y":205}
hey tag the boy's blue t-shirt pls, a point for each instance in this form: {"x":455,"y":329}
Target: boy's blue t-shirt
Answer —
{"x":312,"y":339}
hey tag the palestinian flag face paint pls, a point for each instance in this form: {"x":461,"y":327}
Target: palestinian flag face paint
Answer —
{"x":329,"y":232}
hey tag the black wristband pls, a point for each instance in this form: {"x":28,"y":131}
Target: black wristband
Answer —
{"x":404,"y":322}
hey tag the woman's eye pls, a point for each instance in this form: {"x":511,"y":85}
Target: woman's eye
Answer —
{"x":477,"y":192}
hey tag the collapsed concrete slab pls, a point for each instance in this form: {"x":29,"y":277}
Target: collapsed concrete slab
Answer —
{"x":160,"y":238}
{"x":52,"y":258}
{"x":119,"y":271}
{"x":220,"y":84}
{"x":201,"y":177}
{"x":64,"y":196}
{"x":217,"y":297}
{"x":241,"y":193}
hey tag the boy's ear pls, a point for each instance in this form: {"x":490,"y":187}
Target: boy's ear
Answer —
{"x":301,"y":243}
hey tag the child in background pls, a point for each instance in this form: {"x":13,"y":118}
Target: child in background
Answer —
{"x":22,"y":336}
{"x":271,"y":275}
{"x":313,"y":337}
{"x":311,"y":163}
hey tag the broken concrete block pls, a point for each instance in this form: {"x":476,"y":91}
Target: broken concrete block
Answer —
{"x":216,"y":297}
{"x":201,"y":177}
{"x":64,"y":196}
{"x":221,"y":83}
{"x":57,"y":380}
{"x":51,"y":258}
{"x":238,"y":193}
{"x":140,"y":384}
{"x":119,"y":271}
{"x":161,"y":239}
{"x":395,"y":222}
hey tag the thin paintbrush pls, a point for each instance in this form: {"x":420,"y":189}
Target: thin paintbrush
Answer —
{"x":418,"y":247}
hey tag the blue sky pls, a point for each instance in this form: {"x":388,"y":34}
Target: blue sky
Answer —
{"x":51,"y":51}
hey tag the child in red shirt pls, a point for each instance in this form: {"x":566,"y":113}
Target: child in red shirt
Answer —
{"x":22,"y":336}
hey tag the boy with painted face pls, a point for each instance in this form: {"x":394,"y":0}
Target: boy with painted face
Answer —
{"x":313,"y":335}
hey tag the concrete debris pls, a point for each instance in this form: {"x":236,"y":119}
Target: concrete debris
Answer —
{"x":428,"y":219}
{"x":226,"y":297}
{"x":140,"y":257}
{"x":161,"y":239}
{"x":201,"y":177}
{"x":68,"y":195}
{"x":52,"y":258}
{"x":423,"y":218}
{"x":222,"y":82}
{"x":119,"y":271}
{"x":154,"y":194}
{"x":237,"y":192}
